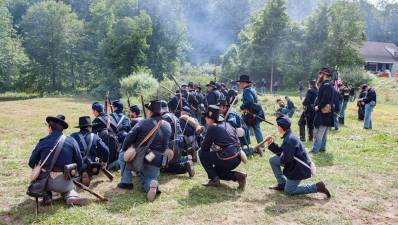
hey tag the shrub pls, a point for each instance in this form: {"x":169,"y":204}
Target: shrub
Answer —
{"x":139,"y":83}
{"x":355,"y":76}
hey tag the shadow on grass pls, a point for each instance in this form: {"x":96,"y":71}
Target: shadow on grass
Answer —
{"x":201,"y":195}
{"x":277,"y":203}
{"x":323,"y":159}
{"x":24,"y":212}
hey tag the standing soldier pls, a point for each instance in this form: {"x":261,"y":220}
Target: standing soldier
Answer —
{"x":263,"y":84}
{"x":360,"y":104}
{"x":91,"y":147}
{"x":253,"y":112}
{"x":220,"y":151}
{"x":290,"y":107}
{"x":135,"y":115}
{"x":154,"y":135}
{"x":345,"y":93}
{"x":370,"y":102}
{"x":66,"y":152}
{"x":301,"y":90}
{"x":307,"y":117}
{"x":323,"y":110}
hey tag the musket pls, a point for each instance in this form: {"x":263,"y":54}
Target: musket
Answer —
{"x":143,"y":106}
{"x":246,"y":111}
{"x":257,"y":147}
{"x":168,"y":90}
{"x":179,"y":87}
{"x":128,"y":101}
{"x":230,"y":106}
{"x":108,"y":174}
{"x":84,"y":187}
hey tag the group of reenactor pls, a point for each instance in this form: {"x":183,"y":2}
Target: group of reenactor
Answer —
{"x":170,"y":137}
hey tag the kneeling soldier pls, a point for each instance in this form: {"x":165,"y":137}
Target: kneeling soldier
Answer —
{"x":66,"y":152}
{"x":220,"y":150}
{"x":295,"y":161}
{"x":92,"y":148}
{"x":153,"y":135}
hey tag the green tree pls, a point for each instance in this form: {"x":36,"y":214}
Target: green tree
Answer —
{"x":13,"y":60}
{"x":346,"y":32}
{"x":51,"y":38}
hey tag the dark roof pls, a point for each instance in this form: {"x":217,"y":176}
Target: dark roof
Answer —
{"x":379,"y":52}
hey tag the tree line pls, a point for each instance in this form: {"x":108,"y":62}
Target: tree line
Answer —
{"x":74,"y":46}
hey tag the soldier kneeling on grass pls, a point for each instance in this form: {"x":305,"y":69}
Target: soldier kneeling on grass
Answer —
{"x":295,"y":161}
{"x":94,"y":151}
{"x":220,"y":150}
{"x":150,"y":136}
{"x":66,"y":153}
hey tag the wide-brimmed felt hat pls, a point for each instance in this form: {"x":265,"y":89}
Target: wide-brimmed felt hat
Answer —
{"x":59,"y":119}
{"x":244,"y":78}
{"x":84,"y":121}
{"x":154,"y":106}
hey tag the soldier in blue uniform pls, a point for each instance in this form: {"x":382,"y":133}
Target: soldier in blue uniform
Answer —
{"x":158,"y":143}
{"x":307,"y":117}
{"x":135,"y":115}
{"x":360,"y":103}
{"x":235,"y":120}
{"x":224,"y":90}
{"x":290,"y":107}
{"x":91,"y":148}
{"x":180,"y":163}
{"x":177,"y":102}
{"x":107,"y":131}
{"x":220,"y":150}
{"x":69,"y":154}
{"x":295,"y":161}
{"x":253,"y":113}
{"x":370,"y":102}
{"x":122,"y":123}
{"x":323,"y":110}
{"x":213,"y":95}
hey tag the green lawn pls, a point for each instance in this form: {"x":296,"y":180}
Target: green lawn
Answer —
{"x":360,"y":168}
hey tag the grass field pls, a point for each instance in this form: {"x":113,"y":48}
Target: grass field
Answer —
{"x":360,"y":168}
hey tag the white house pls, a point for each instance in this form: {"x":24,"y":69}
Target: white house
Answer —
{"x":380,"y":56}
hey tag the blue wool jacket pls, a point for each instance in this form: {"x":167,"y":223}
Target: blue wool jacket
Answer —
{"x":292,"y":146}
{"x":249,"y":98}
{"x":370,"y":96}
{"x":160,"y":142}
{"x":325,"y":96}
{"x":124,"y":124}
{"x":70,"y":152}
{"x":98,"y":147}
{"x":223,"y":135}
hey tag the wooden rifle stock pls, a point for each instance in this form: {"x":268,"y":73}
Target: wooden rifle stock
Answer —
{"x":143,"y":106}
{"x":84,"y":187}
{"x":108,"y":174}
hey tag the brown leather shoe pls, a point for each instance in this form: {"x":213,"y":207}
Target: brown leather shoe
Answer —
{"x":321,"y":188}
{"x":77,"y":201}
{"x":278,"y":187}
{"x":85,"y":179}
{"x":215,"y":182}
{"x":241,"y":179}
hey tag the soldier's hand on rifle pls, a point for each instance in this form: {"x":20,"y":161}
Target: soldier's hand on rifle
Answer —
{"x":316,"y":108}
{"x":104,"y":165}
{"x":269,"y":139}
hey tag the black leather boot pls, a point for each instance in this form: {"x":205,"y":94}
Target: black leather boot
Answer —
{"x":302,"y":133}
